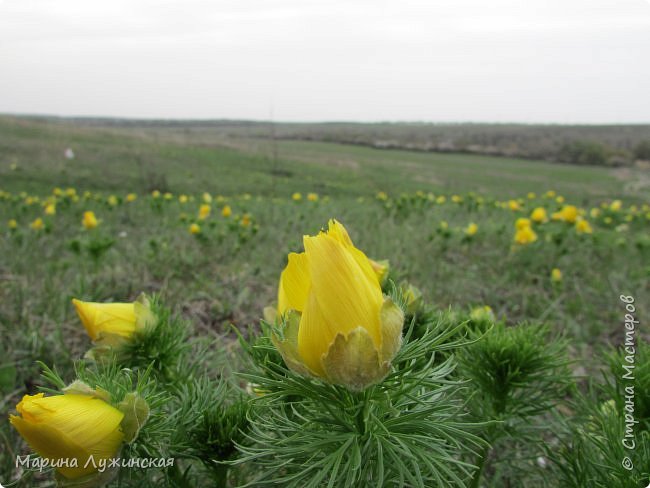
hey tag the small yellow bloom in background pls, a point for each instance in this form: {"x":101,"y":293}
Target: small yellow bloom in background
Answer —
{"x":70,"y":427}
{"x":550,"y":194}
{"x":471,"y":229}
{"x":531,"y":196}
{"x":37,"y":224}
{"x":155,"y":194}
{"x":207,"y":198}
{"x":616,"y":205}
{"x":12,"y":224}
{"x":50,"y":209}
{"x":226,"y":211}
{"x":13,"y":166}
{"x":335,"y":322}
{"x":525,"y":235}
{"x":70,"y":192}
{"x":168,"y":196}
{"x":381,"y":195}
{"x":583,"y":227}
{"x":89,"y":220}
{"x":569,"y":213}
{"x":482,"y":313}
{"x":522,"y":223}
{"x":441,"y":200}
{"x":57,"y":191}
{"x":183,"y":199}
{"x":296,"y":197}
{"x":628,"y":218}
{"x":560,"y":199}
{"x":608,"y":220}
{"x":112,"y":201}
{"x":381,"y":268}
{"x":113,"y":323}
{"x":245,"y":220}
{"x":195,"y":229}
{"x":456,"y":198}
{"x":556,"y":275}
{"x":204,"y":211}
{"x":514,"y":205}
{"x":594,"y":213}
{"x":539,"y":215}
{"x":444,"y":225}
{"x":131,"y":197}
{"x":312,"y":197}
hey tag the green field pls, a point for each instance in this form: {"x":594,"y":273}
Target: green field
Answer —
{"x":227,"y":273}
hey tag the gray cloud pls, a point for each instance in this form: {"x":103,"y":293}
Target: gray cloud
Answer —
{"x":501,"y":60}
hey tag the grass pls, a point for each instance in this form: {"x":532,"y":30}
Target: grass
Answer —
{"x":229,"y":272}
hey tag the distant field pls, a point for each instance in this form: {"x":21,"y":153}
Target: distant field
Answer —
{"x":186,"y":159}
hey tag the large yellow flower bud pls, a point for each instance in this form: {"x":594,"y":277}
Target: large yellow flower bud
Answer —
{"x":67,"y":429}
{"x":112,"y":323}
{"x":336,"y":324}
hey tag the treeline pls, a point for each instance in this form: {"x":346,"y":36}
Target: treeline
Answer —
{"x":584,"y":145}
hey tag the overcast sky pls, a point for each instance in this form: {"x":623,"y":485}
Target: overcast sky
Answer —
{"x":429,"y":60}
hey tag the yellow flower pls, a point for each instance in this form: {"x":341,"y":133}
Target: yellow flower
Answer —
{"x":131,"y":197}
{"x":608,"y":220}
{"x":296,"y":197}
{"x":482,"y":313}
{"x":381,"y":195}
{"x":616,"y":205}
{"x":531,"y":196}
{"x":70,"y":426}
{"x":514,"y":205}
{"x":522,"y":223}
{"x":50,"y":209}
{"x":12,"y":224}
{"x":168,"y":196}
{"x":89,"y":220}
{"x":155,"y":194}
{"x":441,"y":199}
{"x":245,"y":220}
{"x":583,"y":227}
{"x":37,"y":224}
{"x":335,"y":322}
{"x":456,"y":198}
{"x":112,"y":201}
{"x":539,"y":215}
{"x":312,"y":197}
{"x":204,"y":211}
{"x":182,"y":199}
{"x":550,"y":194}
{"x":471,"y":229}
{"x":569,"y":213}
{"x":113,"y":323}
{"x":195,"y":229}
{"x":70,"y":192}
{"x":556,"y":275}
{"x":594,"y":213}
{"x":560,"y":199}
{"x":381,"y":269}
{"x":444,"y":225}
{"x":525,"y":235}
{"x":226,"y":211}
{"x":207,"y":198}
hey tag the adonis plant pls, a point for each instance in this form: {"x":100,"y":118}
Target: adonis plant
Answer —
{"x":351,"y":380}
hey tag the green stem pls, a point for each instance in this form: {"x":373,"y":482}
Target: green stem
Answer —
{"x":476,"y":479}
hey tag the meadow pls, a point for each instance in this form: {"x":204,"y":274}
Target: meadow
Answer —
{"x":204,"y":221}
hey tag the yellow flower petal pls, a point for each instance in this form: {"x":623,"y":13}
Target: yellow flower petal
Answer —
{"x":69,"y":426}
{"x":114,"y":318}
